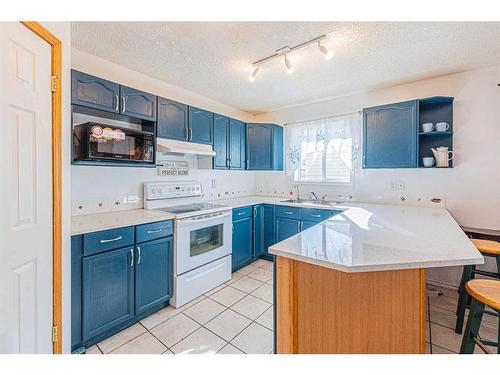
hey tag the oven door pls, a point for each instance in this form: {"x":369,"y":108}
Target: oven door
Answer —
{"x":202,"y":239}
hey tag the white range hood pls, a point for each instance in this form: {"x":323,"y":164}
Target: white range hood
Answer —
{"x":169,"y":146}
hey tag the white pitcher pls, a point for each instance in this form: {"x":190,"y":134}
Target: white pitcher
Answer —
{"x":442,"y":156}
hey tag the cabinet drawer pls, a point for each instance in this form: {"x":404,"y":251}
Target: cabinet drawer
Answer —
{"x":314,"y":214}
{"x":97,"y":242}
{"x":290,"y":212}
{"x":242,"y":212}
{"x":152,"y":231}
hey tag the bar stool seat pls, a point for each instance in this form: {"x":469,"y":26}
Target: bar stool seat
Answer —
{"x":487,"y":246}
{"x":484,"y":293}
{"x":489,"y":249}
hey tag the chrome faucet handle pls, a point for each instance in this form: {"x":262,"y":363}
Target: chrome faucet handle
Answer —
{"x":323,"y":198}
{"x":314,"y":195}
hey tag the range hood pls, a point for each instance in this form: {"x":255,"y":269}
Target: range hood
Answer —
{"x":169,"y":146}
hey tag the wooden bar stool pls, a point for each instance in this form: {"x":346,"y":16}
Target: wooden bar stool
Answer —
{"x":484,"y":293}
{"x":488,"y":249}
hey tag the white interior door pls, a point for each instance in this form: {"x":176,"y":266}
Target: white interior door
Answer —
{"x":25,"y":191}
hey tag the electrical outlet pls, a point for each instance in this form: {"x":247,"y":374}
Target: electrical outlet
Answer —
{"x":400,"y":185}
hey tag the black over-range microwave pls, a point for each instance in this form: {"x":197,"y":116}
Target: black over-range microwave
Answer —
{"x":100,"y":142}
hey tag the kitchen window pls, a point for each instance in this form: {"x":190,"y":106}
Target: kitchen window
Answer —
{"x":323,"y":151}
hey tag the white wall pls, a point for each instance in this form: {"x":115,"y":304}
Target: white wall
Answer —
{"x":471,"y":188}
{"x":62,"y":30}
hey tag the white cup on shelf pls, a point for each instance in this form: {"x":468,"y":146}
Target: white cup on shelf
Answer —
{"x":428,"y":127}
{"x":428,"y":161}
{"x":442,"y":126}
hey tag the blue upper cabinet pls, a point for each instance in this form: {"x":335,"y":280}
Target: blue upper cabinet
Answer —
{"x":390,"y":136}
{"x":137,"y":103}
{"x":264,"y":147}
{"x":259,"y":147}
{"x":277,"y":148}
{"x":93,"y":92}
{"x":108,"y":291}
{"x":172,"y":120}
{"x":201,"y":124}
{"x":221,"y":142}
{"x":237,"y":144}
{"x":153,"y":274}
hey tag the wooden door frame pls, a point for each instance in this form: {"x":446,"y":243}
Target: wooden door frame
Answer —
{"x":56,"y":71}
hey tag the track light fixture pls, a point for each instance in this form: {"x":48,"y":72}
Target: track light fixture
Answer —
{"x":251,"y":78}
{"x":288,"y":64}
{"x":285,"y":51}
{"x":328,"y":54}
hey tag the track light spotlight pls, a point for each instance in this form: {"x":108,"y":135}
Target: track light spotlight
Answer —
{"x":252,"y":76}
{"x":288,"y":64}
{"x":328,"y":54}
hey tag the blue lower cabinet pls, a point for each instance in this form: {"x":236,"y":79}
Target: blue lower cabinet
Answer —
{"x":258,"y":231}
{"x":153,"y":270}
{"x":108,"y":291}
{"x":306,"y":224}
{"x":76,"y":290}
{"x":286,"y":228}
{"x":268,"y":230}
{"x":242,"y":243}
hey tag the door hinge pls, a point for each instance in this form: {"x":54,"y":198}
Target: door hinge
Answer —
{"x":54,"y":334}
{"x":53,"y":83}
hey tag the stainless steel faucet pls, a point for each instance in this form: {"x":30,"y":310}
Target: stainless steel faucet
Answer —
{"x":297,"y":188}
{"x":316,"y":199}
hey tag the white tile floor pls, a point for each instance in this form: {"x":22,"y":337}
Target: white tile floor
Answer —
{"x":237,"y":318}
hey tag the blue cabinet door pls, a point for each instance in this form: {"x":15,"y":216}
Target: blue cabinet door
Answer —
{"x":93,"y":92}
{"x":258,"y":231}
{"x":137,"y":103}
{"x":242,"y":243}
{"x":153,"y":274}
{"x":201,"y":124}
{"x":108,"y":291}
{"x":277,"y":148}
{"x":237,"y":144}
{"x":76,"y":291}
{"x":259,"y":147}
{"x":306,"y":224}
{"x":221,"y":142}
{"x":268,"y":224}
{"x":286,"y":228}
{"x":389,"y":136}
{"x":172,"y":120}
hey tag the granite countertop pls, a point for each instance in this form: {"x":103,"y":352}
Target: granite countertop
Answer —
{"x":116,"y":219}
{"x":375,"y":237}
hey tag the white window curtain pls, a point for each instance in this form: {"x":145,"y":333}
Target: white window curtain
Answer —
{"x":324,"y":149}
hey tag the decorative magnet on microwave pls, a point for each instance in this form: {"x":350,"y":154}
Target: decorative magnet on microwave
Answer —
{"x":108,"y":134}
{"x":96,"y":131}
{"x":118,"y":135}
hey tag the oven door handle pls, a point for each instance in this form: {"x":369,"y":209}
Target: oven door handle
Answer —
{"x":191,"y":220}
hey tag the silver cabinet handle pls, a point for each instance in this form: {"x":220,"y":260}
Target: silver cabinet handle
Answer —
{"x":190,"y":134}
{"x":300,"y":225}
{"x":288,"y":212}
{"x":138,"y":255}
{"x":255,"y":211}
{"x":241,"y":213}
{"x":123,"y":104}
{"x":316,"y":215}
{"x":131,"y":257}
{"x":112,"y":239}
{"x":154,"y":231}
{"x":117,"y":100}
{"x":248,"y":163}
{"x":186,"y":133}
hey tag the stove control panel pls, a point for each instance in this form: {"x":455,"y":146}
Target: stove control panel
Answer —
{"x":167,"y":190}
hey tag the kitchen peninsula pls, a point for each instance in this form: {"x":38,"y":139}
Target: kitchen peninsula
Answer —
{"x":356,"y":282}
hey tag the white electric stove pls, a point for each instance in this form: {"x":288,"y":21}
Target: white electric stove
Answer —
{"x":202,"y":237}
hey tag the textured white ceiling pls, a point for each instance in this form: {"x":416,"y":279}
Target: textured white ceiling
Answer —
{"x":213,"y":58}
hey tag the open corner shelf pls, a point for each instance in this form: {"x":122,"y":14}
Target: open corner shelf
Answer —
{"x":435,"y":109}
